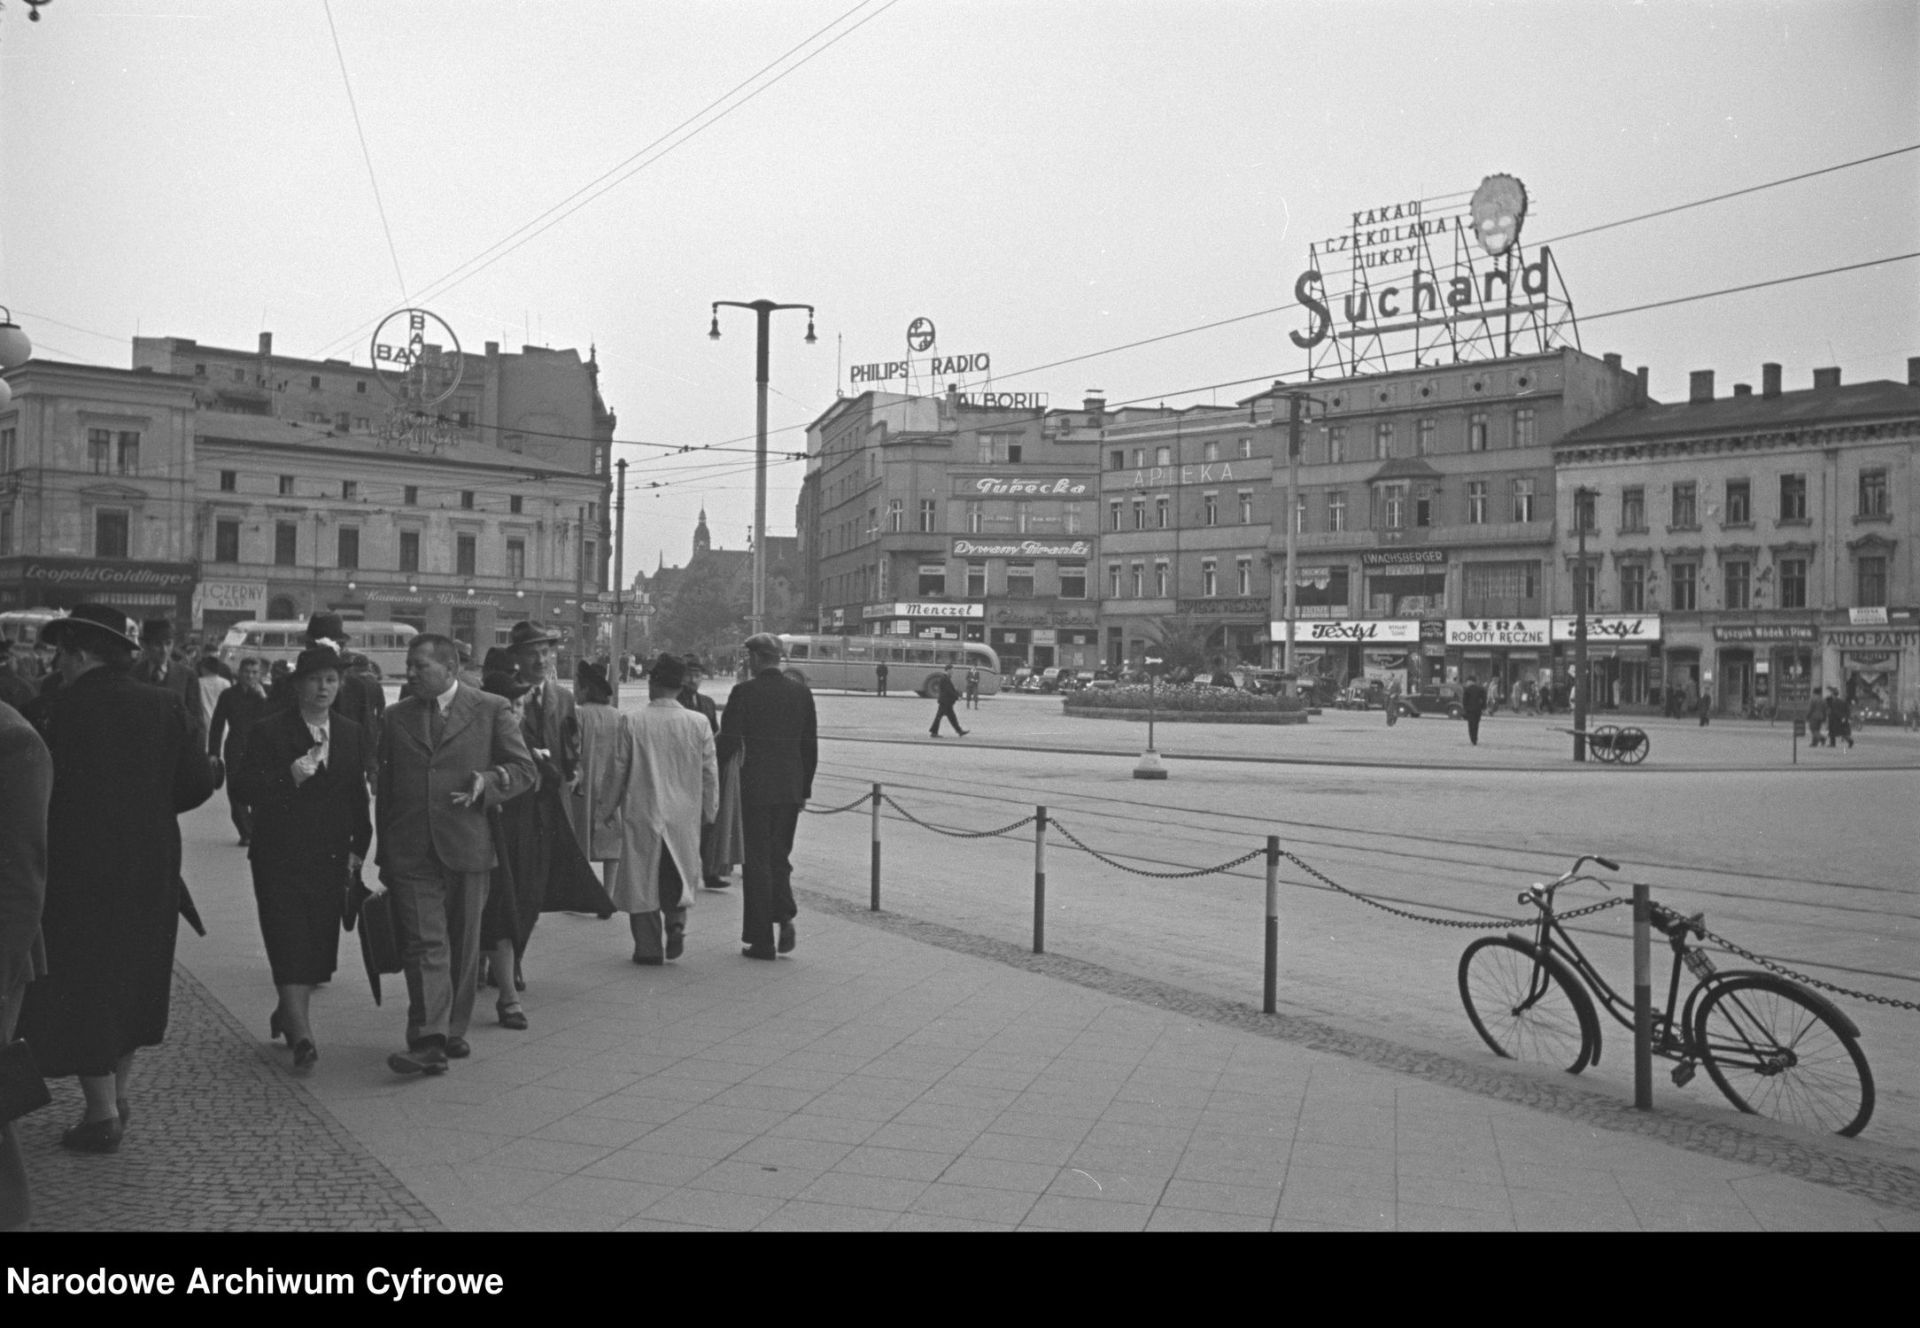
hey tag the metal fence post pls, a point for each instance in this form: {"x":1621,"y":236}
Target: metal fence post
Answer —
{"x":1039,"y":880}
{"x":1273,"y":925}
{"x":875,"y":906}
{"x":1642,"y":998}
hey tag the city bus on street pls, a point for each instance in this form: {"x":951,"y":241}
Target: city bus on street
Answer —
{"x":22,"y":626}
{"x":848,"y":662}
{"x":385,"y":643}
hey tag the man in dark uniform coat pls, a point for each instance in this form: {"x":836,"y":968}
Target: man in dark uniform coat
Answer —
{"x":239,"y":708}
{"x":1473,"y":704}
{"x":772,"y":715}
{"x":162,"y":667}
{"x":126,"y":762}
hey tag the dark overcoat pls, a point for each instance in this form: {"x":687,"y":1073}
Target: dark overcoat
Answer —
{"x":126,"y":762}
{"x":772,"y":717}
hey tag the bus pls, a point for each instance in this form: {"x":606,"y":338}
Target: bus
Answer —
{"x":22,"y":626}
{"x":385,"y":643}
{"x":848,"y":662}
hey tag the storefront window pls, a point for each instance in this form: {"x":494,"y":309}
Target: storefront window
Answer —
{"x":933,"y":579}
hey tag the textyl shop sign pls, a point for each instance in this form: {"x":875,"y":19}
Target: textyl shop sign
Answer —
{"x":1604,"y":627}
{"x":1003,"y":486}
{"x":1391,"y":632}
{"x":1498,"y":631}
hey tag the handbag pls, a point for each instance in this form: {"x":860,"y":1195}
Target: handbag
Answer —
{"x":22,"y":1090}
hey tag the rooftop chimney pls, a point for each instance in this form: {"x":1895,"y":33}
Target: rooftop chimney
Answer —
{"x":1095,"y":405}
{"x":1641,"y":374}
{"x":1769,"y":380}
{"x":1743,"y":389}
{"x":493,"y":349}
{"x":1825,"y":380}
{"x":1700,"y":385}
{"x":1913,"y":371}
{"x":266,"y":343}
{"x":1613,"y":361}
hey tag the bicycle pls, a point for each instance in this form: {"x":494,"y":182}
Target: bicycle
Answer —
{"x":1772,"y":1046}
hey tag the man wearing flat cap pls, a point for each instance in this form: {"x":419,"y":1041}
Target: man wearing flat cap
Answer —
{"x":772,"y":716}
{"x":159,"y":666}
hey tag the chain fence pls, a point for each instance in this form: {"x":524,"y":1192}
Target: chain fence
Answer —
{"x":1496,"y":924}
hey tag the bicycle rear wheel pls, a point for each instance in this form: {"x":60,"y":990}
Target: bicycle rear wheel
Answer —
{"x":1777,"y":1050}
{"x":1526,"y":1005}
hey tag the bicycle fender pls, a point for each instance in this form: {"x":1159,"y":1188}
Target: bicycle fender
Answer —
{"x":1576,"y":992}
{"x":1814,"y":998}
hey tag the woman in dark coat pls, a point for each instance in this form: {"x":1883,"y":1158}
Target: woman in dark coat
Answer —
{"x":303,"y":773}
{"x":126,"y":762}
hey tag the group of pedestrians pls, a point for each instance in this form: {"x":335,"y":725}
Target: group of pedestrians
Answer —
{"x":479,"y":807}
{"x":1832,"y":713}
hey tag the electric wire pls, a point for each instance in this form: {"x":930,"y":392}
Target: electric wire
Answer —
{"x":365,"y":155}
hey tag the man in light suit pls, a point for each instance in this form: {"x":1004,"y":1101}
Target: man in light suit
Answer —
{"x":447,"y":753}
{"x":772,"y":715}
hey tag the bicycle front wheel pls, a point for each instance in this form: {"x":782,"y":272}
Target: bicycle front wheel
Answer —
{"x":1525,"y":1005}
{"x":1777,"y":1050}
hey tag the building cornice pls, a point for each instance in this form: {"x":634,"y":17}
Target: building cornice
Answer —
{"x":1810,"y":438}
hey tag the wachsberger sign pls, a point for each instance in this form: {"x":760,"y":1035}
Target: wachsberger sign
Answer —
{"x":1022,"y":548}
{"x":1497,"y":631}
{"x":1403,"y":557}
{"x":924,"y":609}
{"x":1394,"y":631}
{"x":1610,"y":627}
{"x":1008,"y":486}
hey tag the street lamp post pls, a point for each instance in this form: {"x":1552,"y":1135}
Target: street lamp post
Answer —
{"x":619,"y":650}
{"x":764,"y":310}
{"x":1580,"y":583}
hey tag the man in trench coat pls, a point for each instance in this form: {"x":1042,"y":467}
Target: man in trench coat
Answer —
{"x":672,"y":791}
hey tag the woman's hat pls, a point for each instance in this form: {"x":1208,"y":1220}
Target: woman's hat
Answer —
{"x":325,"y":626}
{"x":587,"y":674}
{"x":315,"y":658}
{"x":90,"y":622}
{"x":531,"y":634}
{"x":498,"y":675}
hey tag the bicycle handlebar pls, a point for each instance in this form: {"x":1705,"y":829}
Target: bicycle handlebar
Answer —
{"x":1536,"y":893}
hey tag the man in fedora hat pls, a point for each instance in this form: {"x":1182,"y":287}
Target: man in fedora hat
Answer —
{"x":772,"y":716}
{"x":160,"y":666}
{"x":126,"y":763}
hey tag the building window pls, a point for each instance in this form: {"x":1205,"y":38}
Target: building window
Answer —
{"x":1736,"y":584}
{"x":1793,"y":583}
{"x":362,"y":424}
{"x":1246,"y":448}
{"x":933,"y":579}
{"x":1523,"y":500}
{"x":1022,"y":517}
{"x":409,"y":550}
{"x":1423,"y":508}
{"x":1681,"y":577}
{"x":1633,"y":510}
{"x":1584,"y":503}
{"x":6,"y":530}
{"x":1383,"y":440}
{"x":1209,"y":577}
{"x":1113,"y":514}
{"x":1495,"y":590}
{"x":464,"y":547}
{"x":286,"y":486}
{"x":1477,"y":431}
{"x":1870,"y":581}
{"x":286,"y":543}
{"x":110,"y":533}
{"x":239,"y":375}
{"x":349,"y":547}
{"x":1139,"y":580}
{"x":1336,"y":444}
{"x":1139,"y":513}
{"x":1873,"y":492}
{"x":1686,"y":514}
{"x":1337,"y":511}
{"x":927,"y":516}
{"x":1392,"y":506}
{"x":1139,"y":457}
{"x":229,"y":481}
{"x":1583,"y":579}
{"x":1523,"y":429}
{"x":1739,"y":503}
{"x":1246,"y":507}
{"x":127,"y":456}
{"x":896,"y":515}
{"x":412,"y":496}
{"x":1633,"y":587}
{"x":1243,"y":576}
{"x":977,"y":580}
{"x":1163,"y":456}
{"x":1476,"y":502}
{"x":516,"y":559}
{"x":1117,"y":459}
{"x":977,"y":518}
{"x":1162,"y":512}
{"x":1299,"y":513}
{"x":1425,"y":436}
{"x":516,"y":504}
{"x":350,"y":490}
{"x":1210,"y":509}
{"x":466,"y":499}
{"x":9,"y":439}
{"x":1073,"y":580}
{"x":226,"y":541}
{"x":1113,"y":580}
{"x":1070,"y":518}
{"x":99,"y":450}
{"x":360,"y":386}
{"x":1162,"y":579}
{"x":1793,"y":497}
{"x":1019,"y":580}
{"x":1211,"y":452}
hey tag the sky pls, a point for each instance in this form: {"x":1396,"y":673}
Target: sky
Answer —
{"x":1046,"y":180}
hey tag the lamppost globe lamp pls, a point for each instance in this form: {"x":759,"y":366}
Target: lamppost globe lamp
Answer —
{"x":15,"y":347}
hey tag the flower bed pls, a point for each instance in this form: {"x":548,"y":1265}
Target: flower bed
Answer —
{"x":1188,"y":703}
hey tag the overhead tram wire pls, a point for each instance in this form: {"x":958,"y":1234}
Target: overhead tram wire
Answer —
{"x":601,"y":185}
{"x":365,"y":155}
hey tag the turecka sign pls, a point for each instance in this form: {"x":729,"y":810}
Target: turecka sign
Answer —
{"x":1439,"y":280}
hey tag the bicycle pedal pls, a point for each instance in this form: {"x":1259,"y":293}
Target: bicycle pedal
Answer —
{"x":1683,"y":1074}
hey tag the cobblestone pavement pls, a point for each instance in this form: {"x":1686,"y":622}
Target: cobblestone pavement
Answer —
{"x":220,"y":1141}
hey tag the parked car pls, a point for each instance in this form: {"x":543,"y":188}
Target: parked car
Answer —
{"x":1440,"y":698}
